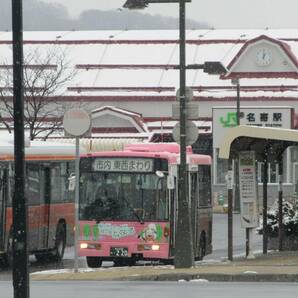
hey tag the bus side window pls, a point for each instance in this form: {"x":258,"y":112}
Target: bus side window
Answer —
{"x":56,"y":191}
{"x":67,"y":170}
{"x":194,"y":190}
{"x":204,"y":185}
{"x":10,"y":185}
{"x":70,"y":195}
{"x":33,"y":178}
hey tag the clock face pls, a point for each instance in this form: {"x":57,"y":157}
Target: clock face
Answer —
{"x":263,"y":57}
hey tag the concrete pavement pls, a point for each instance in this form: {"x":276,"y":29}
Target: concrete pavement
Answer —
{"x":274,"y":267}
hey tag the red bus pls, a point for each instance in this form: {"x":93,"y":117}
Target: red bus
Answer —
{"x":128,"y":204}
{"x":50,"y":203}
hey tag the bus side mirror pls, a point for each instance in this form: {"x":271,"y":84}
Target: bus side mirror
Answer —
{"x":72,"y":182}
{"x":170,"y":182}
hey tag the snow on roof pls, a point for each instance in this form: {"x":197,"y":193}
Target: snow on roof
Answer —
{"x":101,"y":144}
{"x":36,"y":148}
{"x":141,"y":61}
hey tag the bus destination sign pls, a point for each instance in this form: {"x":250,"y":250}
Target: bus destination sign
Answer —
{"x":123,"y":165}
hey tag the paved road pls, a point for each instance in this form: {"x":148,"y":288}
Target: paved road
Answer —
{"x":193,"y":289}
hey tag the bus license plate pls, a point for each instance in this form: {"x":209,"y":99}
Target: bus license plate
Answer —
{"x":119,"y":252}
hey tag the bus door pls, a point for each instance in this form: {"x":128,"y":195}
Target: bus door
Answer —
{"x":37,"y":193}
{"x":193,"y":202}
{"x":3,"y":204}
{"x":173,"y":217}
{"x":174,"y":209}
{"x":45,"y":200}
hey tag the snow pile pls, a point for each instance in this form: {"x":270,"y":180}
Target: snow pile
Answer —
{"x":62,"y":271}
{"x":290,"y":220}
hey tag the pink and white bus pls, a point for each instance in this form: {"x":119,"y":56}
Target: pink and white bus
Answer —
{"x":128,"y":204}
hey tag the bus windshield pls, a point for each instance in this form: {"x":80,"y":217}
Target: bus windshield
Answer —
{"x":123,"y":196}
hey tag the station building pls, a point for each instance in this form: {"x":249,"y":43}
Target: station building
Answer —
{"x":128,"y":81}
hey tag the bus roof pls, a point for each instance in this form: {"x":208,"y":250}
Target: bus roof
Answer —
{"x":156,"y":147}
{"x":169,"y":151}
{"x":37,"y":150}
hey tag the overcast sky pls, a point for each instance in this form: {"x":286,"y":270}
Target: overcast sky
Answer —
{"x":218,"y":13}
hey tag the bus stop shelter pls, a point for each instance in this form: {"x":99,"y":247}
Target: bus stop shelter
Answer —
{"x":269,"y":145}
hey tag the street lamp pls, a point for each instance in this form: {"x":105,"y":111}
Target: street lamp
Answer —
{"x":140,"y":4}
{"x":184,"y":255}
{"x":236,"y":82}
{"x":210,"y":67}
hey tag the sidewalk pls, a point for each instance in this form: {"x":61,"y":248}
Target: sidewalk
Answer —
{"x":275,"y":267}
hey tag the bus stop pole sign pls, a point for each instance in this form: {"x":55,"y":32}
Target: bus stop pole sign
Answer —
{"x":76,"y":122}
{"x":230,"y":179}
{"x":248,"y":190}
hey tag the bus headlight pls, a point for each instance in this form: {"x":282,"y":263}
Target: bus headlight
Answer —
{"x":96,"y":246}
{"x":155,"y":247}
{"x":83,"y":245}
{"x":148,"y":247}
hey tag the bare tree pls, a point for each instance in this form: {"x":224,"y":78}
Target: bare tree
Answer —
{"x":45,"y":76}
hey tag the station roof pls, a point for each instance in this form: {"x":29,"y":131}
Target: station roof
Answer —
{"x":138,"y":65}
{"x":267,"y":142}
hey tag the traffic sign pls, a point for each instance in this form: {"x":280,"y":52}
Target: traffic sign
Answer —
{"x":191,"y":133}
{"x":191,"y":110}
{"x":188,"y":94}
{"x":76,"y":122}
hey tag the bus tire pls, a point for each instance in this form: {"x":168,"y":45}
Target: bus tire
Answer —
{"x":42,"y":257}
{"x":168,"y":261}
{"x":60,"y":243}
{"x":202,"y":247}
{"x":124,"y":262}
{"x":8,"y":259}
{"x":94,"y":262}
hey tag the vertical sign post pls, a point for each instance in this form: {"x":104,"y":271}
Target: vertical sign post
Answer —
{"x":230,"y":183}
{"x":280,"y":209}
{"x":248,"y":194}
{"x":265,"y":203}
{"x":76,"y":122}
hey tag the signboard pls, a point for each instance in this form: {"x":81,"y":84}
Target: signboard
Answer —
{"x":248,"y":190}
{"x":188,"y":94}
{"x":140,"y":165}
{"x":230,"y":179}
{"x":191,"y":110}
{"x":226,"y":117}
{"x":191,"y":130}
{"x":76,"y":122}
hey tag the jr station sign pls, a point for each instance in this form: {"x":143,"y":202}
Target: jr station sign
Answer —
{"x":226,"y":117}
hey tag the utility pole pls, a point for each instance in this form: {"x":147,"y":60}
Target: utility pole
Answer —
{"x":19,"y":237}
{"x":184,"y":255}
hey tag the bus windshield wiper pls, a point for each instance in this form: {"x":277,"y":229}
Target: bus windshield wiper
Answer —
{"x":136,"y":214}
{"x":134,"y":211}
{"x":98,"y":220}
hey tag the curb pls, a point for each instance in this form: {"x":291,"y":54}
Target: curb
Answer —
{"x":214,"y":277}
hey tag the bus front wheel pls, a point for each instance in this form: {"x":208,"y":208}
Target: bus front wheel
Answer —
{"x":60,"y":242}
{"x":124,"y":262}
{"x":202,"y":247}
{"x":8,"y":258}
{"x":94,"y":262}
